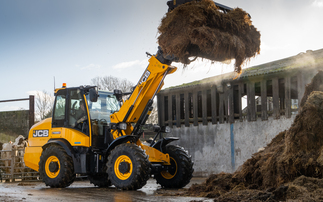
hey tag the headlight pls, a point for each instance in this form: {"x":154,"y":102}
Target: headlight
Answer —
{"x":165,"y":129}
{"x":122,"y":126}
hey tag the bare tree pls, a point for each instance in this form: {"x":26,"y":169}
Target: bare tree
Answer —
{"x":44,"y":104}
{"x":111,"y":83}
{"x":126,"y":86}
{"x":153,"y":117}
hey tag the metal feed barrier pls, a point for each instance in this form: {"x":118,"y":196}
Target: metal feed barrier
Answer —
{"x":12,"y":166}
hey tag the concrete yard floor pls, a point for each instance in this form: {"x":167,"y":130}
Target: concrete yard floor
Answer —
{"x":84,"y":191}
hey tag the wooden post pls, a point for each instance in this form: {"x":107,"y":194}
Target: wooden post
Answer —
{"x":251,"y":115}
{"x":241,"y":93}
{"x":300,"y":87}
{"x":221,"y":112}
{"x":204,"y":106}
{"x":225,"y":104}
{"x":12,"y":165}
{"x":170,"y":110}
{"x":276,"y":110}
{"x":187,"y":109}
{"x":31,"y":110}
{"x":195,"y":108}
{"x":263,"y":87}
{"x":161,"y":109}
{"x":287,"y":97}
{"x":230,"y":104}
{"x":213,"y":101}
{"x":178,"y":110}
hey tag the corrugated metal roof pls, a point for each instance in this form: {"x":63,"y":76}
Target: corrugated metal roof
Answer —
{"x":301,"y":60}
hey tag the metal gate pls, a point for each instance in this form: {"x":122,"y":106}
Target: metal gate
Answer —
{"x":12,"y":166}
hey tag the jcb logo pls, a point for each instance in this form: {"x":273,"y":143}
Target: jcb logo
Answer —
{"x":40,"y":133}
{"x":145,"y":77}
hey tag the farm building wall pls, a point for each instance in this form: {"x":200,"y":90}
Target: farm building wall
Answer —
{"x":222,"y":121}
{"x":224,"y":147}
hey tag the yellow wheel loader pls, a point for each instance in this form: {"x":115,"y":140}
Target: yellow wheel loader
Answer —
{"x":91,"y":133}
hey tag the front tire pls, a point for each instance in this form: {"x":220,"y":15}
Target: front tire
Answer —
{"x":128,"y":167}
{"x":181,"y":170}
{"x":56,"y":167}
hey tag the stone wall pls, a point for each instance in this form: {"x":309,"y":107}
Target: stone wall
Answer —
{"x":15,"y":122}
{"x":224,"y":147}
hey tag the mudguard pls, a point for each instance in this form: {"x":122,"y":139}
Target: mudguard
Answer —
{"x":79,"y":161}
{"x":120,"y":140}
{"x":62,"y":142}
{"x":160,"y":144}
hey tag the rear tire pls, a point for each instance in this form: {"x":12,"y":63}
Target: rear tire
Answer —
{"x":56,"y":167}
{"x":128,"y":167}
{"x":181,"y":171}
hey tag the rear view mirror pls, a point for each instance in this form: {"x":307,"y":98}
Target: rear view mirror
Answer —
{"x":118,"y":94}
{"x":93,"y":95}
{"x":156,"y":128}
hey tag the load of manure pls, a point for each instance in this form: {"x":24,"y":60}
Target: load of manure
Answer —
{"x":200,"y":29}
{"x":293,"y":155}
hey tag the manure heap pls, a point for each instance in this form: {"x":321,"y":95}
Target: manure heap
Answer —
{"x":200,"y":29}
{"x":290,"y":167}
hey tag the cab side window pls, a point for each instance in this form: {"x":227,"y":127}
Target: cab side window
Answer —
{"x":77,"y":111}
{"x":59,"y":109}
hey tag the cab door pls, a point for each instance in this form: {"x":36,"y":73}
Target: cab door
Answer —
{"x":70,"y":117}
{"x":77,"y":112}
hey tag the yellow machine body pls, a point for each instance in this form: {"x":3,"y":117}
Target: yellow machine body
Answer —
{"x":42,"y":132}
{"x":144,"y":91}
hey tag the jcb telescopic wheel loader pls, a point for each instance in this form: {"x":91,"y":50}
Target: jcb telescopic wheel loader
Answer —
{"x":91,"y":133}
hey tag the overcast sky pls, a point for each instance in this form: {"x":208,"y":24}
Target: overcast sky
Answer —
{"x":77,"y":40}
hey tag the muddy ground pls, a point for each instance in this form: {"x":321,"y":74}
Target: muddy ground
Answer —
{"x":301,"y":189}
{"x":84,"y":191}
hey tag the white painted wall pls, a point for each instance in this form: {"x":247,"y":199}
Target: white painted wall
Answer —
{"x":211,"y":145}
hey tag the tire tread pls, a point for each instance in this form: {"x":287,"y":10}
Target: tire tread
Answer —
{"x":141,"y":173}
{"x":64,"y":179}
{"x":184,"y":172}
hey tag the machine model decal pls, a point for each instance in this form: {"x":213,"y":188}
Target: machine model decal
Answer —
{"x":145,"y":77}
{"x":40,"y":133}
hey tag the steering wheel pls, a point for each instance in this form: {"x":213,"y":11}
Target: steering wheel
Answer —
{"x":103,"y":121}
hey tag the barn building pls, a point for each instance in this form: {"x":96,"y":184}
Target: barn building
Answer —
{"x":222,"y":121}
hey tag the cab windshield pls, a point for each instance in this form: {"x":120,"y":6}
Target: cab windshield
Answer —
{"x":106,"y":105}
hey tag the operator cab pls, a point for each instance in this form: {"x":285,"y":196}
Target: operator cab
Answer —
{"x":84,"y":109}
